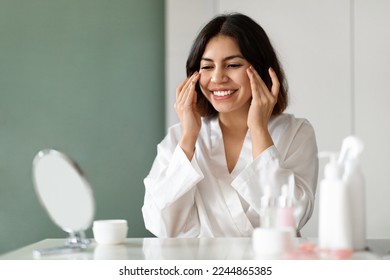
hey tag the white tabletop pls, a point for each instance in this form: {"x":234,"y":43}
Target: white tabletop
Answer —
{"x":177,"y":249}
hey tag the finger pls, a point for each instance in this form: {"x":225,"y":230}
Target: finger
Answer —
{"x":180,"y":87}
{"x":275,"y":82}
{"x":257,"y":84}
{"x":183,"y":87}
{"x":252,"y":79}
{"x":265,"y":92}
{"x":190,"y":97}
{"x":262,"y":84}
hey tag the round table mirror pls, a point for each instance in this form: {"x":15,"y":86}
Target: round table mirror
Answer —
{"x":66,"y":195}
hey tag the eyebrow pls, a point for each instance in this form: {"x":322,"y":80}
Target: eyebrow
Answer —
{"x":225,"y":59}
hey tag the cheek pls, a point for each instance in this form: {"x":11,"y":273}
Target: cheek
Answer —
{"x":243,"y":79}
{"x":245,"y":83}
{"x":203,"y":82}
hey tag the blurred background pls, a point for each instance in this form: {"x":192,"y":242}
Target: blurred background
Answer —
{"x":87,"y":78}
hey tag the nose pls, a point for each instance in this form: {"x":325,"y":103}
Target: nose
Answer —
{"x":219,"y":75}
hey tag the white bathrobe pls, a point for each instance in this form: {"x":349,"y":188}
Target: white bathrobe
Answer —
{"x":200,"y":198}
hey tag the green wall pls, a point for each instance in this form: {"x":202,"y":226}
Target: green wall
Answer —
{"x":85,"y":77}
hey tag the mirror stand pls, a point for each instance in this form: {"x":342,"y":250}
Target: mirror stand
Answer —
{"x":78,"y":239}
{"x":76,"y":242}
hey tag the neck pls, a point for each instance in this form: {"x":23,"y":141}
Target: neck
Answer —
{"x":233,"y":122}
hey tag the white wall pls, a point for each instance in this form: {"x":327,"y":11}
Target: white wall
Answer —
{"x":336,"y":58}
{"x":372,"y":100}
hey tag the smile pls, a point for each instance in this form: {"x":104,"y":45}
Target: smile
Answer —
{"x":223,"y":92}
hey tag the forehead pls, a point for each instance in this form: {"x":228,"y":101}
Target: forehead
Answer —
{"x":220,"y":47}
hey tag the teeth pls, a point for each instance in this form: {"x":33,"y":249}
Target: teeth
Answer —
{"x":223,"y":93}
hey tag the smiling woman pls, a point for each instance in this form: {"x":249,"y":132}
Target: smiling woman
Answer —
{"x":212,"y":168}
{"x":223,"y":76}
{"x":246,"y":46}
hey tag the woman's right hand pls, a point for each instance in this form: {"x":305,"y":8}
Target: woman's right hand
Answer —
{"x":189,"y":117}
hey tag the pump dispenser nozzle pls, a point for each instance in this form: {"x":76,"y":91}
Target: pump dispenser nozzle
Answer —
{"x":351,"y":148}
{"x":284,"y":199}
{"x":287,"y":193}
{"x":332,"y":168}
{"x":268,"y":206}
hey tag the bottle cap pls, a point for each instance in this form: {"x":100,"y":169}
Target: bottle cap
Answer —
{"x":351,"y":148}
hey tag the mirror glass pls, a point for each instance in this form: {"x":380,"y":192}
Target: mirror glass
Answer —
{"x":65,"y":193}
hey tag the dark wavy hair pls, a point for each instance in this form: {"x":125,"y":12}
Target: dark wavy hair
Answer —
{"x":254,"y":45}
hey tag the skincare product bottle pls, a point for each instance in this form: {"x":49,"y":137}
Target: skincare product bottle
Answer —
{"x":355,"y":184}
{"x":334,"y":231}
{"x":268,"y":207}
{"x":270,"y":240}
{"x":285,"y":211}
{"x":270,"y":184}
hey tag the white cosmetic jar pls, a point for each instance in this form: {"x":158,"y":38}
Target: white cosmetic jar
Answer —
{"x":273,"y":243}
{"x":110,"y":232}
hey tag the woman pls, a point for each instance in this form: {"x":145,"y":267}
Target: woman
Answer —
{"x":208,"y":177}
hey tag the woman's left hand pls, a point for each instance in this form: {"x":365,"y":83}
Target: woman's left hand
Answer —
{"x":260,"y":110}
{"x":263,"y":100}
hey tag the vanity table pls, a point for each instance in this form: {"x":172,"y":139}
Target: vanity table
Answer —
{"x":179,"y":249}
{"x":203,"y":258}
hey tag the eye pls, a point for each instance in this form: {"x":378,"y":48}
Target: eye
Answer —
{"x":234,"y":65}
{"x":206,"y":67}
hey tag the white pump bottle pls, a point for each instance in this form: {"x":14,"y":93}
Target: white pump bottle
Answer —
{"x":355,"y":184}
{"x":334,"y":231}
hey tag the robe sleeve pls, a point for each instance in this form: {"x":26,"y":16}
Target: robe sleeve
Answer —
{"x":297,"y":155}
{"x":169,"y":209}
